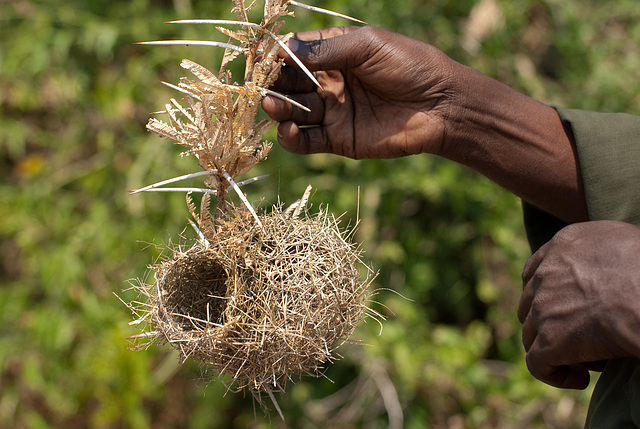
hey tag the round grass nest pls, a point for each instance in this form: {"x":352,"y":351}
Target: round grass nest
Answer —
{"x":261,"y":304}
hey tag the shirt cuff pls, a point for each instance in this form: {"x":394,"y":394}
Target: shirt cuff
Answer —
{"x":608,"y":147}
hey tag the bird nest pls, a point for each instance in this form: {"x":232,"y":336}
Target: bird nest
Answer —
{"x":261,"y":304}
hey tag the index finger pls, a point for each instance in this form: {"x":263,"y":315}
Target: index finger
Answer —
{"x":309,"y":36}
{"x":292,"y":79}
{"x":323,"y":33}
{"x":305,"y":47}
{"x":533,"y":263}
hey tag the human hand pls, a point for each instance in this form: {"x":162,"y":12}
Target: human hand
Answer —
{"x":383,"y":95}
{"x":581,"y":301}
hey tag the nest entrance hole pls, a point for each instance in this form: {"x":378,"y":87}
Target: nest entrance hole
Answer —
{"x":197,"y":296}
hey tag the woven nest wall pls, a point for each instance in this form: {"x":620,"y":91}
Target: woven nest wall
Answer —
{"x":263,"y":305}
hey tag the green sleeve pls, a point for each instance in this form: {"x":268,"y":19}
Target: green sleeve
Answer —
{"x":608,"y":146}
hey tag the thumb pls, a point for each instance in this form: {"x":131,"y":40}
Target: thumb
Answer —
{"x":569,"y":377}
{"x":332,"y":48}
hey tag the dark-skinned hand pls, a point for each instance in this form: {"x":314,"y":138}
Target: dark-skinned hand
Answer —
{"x":581,"y":302}
{"x":383,"y":95}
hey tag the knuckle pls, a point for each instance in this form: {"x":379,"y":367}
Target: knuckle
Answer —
{"x":374,"y":36}
{"x":568,"y":233}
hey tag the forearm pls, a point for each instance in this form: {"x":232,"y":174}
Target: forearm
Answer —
{"x":517,"y":142}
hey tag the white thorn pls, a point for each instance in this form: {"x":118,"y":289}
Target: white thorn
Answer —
{"x":216,"y":22}
{"x":236,"y":188}
{"x":325,"y":11}
{"x":200,"y":190}
{"x":182,"y":90}
{"x":285,"y":98}
{"x":253,"y":179}
{"x":156,"y":186}
{"x":173,"y":180}
{"x":296,"y":59}
{"x":195,"y":43}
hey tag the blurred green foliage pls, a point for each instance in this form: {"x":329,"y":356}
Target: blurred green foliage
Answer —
{"x":75,"y":96}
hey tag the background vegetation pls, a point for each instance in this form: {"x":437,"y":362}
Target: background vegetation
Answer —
{"x":75,"y":96}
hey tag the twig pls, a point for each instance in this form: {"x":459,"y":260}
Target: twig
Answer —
{"x":144,"y":335}
{"x":389,"y":395}
{"x":275,"y":403}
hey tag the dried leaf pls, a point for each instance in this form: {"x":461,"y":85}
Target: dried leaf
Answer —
{"x":162,"y":129}
{"x":199,"y":71}
{"x":191,"y":206}
{"x":240,"y":36}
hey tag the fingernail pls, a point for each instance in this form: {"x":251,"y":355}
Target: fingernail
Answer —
{"x":293,"y":45}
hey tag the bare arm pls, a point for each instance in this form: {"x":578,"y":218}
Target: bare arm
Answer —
{"x":385,"y":95}
{"x":517,"y":142}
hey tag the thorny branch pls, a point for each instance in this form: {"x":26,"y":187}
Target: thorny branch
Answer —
{"x":218,"y":124}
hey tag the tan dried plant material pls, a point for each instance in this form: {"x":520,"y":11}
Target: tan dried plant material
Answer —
{"x":218,"y":127}
{"x":263,"y":298}
{"x":263,"y":306}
